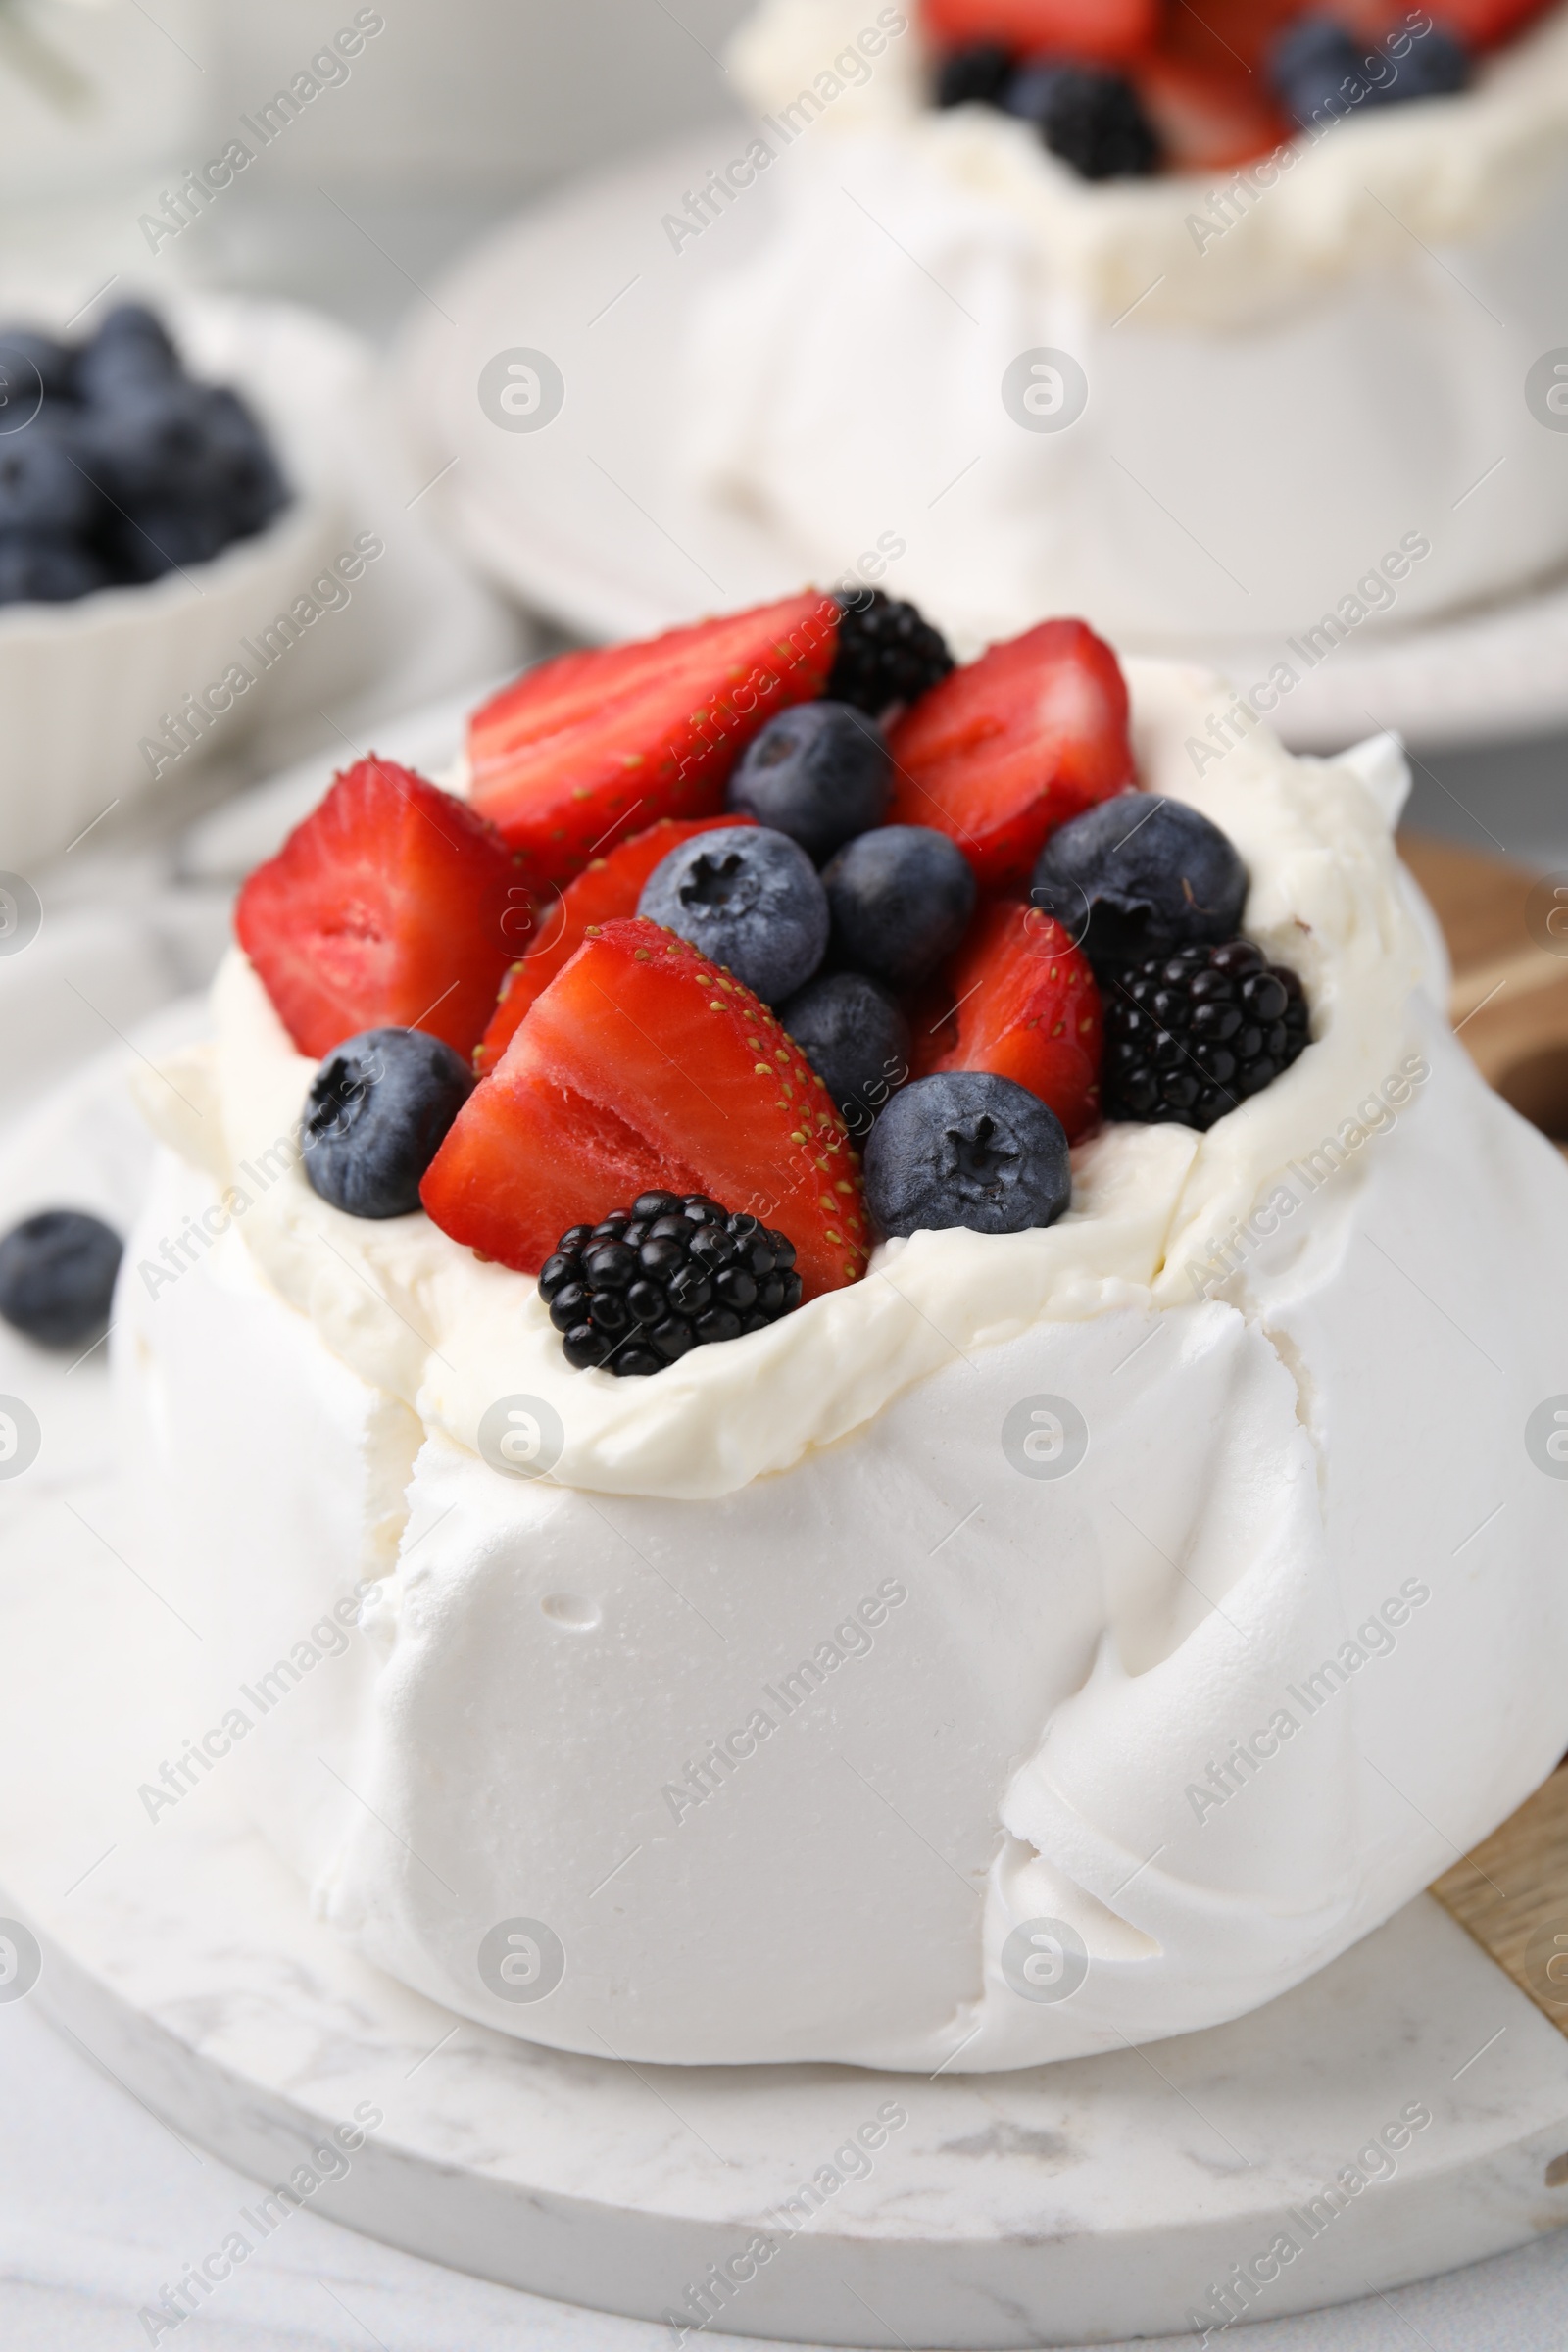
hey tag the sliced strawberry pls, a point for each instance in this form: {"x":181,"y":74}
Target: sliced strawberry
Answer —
{"x":1088,"y":29}
{"x":642,"y":1066}
{"x":392,"y":906}
{"x":1003,"y":752}
{"x":1209,"y":118}
{"x":1229,"y":36}
{"x":607,"y":888}
{"x":591,"y":748}
{"x":1023,"y":1004}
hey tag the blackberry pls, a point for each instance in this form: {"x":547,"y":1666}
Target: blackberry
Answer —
{"x":1190,"y":1036}
{"x":1092,"y":118}
{"x":975,"y":75}
{"x":646,"y":1285}
{"x":888,"y":653}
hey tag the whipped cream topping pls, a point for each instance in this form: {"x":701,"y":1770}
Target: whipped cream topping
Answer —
{"x":1340,"y":203}
{"x":417,"y":1314}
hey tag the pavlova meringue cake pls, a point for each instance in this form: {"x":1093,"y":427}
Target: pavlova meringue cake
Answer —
{"x":1180,"y":317}
{"x":676,"y":1583}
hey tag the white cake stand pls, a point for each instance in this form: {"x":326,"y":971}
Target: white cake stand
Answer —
{"x":590,"y":522}
{"x":1078,"y":2203}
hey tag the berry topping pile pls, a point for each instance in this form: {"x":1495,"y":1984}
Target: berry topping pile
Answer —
{"x":646,"y":1285}
{"x":914,"y":907}
{"x":1120,"y":88}
{"x":57,"y":1276}
{"x":116,"y":466}
{"x":888,"y":654}
{"x":377,"y":1116}
{"x":1189,"y":1036}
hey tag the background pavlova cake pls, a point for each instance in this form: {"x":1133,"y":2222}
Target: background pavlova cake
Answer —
{"x":1183,"y":318}
{"x":951,"y":1603}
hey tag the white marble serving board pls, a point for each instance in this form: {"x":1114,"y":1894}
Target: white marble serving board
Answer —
{"x":1074,"y":2204}
{"x":592,"y":521}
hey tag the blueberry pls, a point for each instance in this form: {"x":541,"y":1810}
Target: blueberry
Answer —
{"x":31,"y":364}
{"x":1138,"y":877}
{"x":146,"y":542}
{"x":1320,"y":71}
{"x":57,"y":1276}
{"x":1436,"y":64}
{"x":900,"y":899}
{"x":153,"y":442}
{"x":854,"y":1037}
{"x":821,"y":773}
{"x":966,"y":1147}
{"x":42,"y":487}
{"x":974,"y":76}
{"x":130,"y":351}
{"x":376,"y":1114}
{"x":44,"y":569}
{"x":752,"y":901}
{"x":245,"y":483}
{"x":1093,"y":120}
{"x":1314,"y":67}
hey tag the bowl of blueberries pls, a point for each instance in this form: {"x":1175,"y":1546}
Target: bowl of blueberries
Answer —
{"x":149,"y":522}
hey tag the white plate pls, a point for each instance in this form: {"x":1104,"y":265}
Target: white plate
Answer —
{"x":589,"y":521}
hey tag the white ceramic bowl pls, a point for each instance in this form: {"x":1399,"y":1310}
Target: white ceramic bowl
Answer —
{"x":84,"y":687}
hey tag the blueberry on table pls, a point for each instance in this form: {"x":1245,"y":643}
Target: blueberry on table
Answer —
{"x":675,"y":1271}
{"x":376,"y":1114}
{"x":57,"y":1276}
{"x":44,"y":568}
{"x":1190,"y":1036}
{"x":888,"y":653}
{"x":1092,"y":118}
{"x":900,"y":899}
{"x":751,"y":900}
{"x":966,"y":1147}
{"x":856,"y":1039}
{"x":819,"y":772}
{"x":1139,"y":876}
{"x":974,"y":76}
